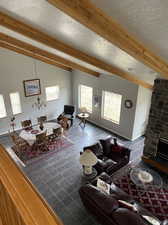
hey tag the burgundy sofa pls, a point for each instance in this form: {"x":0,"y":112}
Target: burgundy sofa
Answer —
{"x":111,"y":156}
{"x":107,"y":209}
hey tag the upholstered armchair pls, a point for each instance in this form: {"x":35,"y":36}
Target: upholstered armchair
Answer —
{"x":69,"y":111}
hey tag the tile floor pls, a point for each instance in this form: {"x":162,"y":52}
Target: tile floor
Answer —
{"x":59,"y":176}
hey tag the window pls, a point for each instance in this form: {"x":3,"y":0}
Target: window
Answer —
{"x":15,"y":103}
{"x":85,"y":97}
{"x":2,"y":107}
{"x":52,"y":93}
{"x":111,"y":106}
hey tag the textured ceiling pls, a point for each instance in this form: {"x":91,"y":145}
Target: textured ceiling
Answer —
{"x":144,"y":19}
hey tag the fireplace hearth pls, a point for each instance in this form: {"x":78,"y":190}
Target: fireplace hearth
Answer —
{"x":162,"y":149}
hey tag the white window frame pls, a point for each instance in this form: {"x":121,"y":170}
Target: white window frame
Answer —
{"x":14,"y":108}
{"x":90,"y":109}
{"x":2,"y":104}
{"x":53,"y":98}
{"x":103,"y":107}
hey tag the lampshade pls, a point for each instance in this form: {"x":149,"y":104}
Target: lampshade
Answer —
{"x":83,"y":109}
{"x":88,"y":158}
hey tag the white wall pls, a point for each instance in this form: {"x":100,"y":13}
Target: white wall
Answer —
{"x":142,"y":111}
{"x":14,"y":68}
{"x":114,"y":84}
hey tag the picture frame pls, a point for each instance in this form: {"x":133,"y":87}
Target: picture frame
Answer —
{"x":32,"y":87}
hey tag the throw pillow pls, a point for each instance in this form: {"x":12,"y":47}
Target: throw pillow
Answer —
{"x":151,"y":220}
{"x":117,"y":147}
{"x":103,"y":186}
{"x":107,"y":144}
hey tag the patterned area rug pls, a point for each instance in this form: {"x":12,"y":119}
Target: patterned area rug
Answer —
{"x":155,"y":200}
{"x":27,"y":157}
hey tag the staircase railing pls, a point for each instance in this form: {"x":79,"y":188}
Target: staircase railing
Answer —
{"x":20,"y":202}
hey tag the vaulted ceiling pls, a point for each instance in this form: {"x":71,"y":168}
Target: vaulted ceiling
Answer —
{"x":145,"y":19}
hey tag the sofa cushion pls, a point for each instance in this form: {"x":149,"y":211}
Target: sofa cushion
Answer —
{"x":118,"y":156}
{"x":105,"y":177}
{"x":101,"y":200}
{"x":120,"y":194}
{"x":96,"y":149}
{"x":127,"y":217}
{"x":104,"y":164}
{"x":107,"y":145}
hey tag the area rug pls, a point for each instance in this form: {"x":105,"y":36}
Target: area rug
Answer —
{"x":155,"y":200}
{"x":27,"y":157}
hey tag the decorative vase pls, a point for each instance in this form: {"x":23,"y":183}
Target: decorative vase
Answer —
{"x":12,"y":124}
{"x":115,"y":141}
{"x":41,"y":126}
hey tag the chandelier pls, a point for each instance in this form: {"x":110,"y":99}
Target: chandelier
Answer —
{"x":39,"y":104}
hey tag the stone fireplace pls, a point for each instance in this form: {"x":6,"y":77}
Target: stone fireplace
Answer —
{"x":156,"y":142}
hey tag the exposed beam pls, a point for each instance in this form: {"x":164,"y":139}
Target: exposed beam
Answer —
{"x":44,"y":38}
{"x":26,"y":53}
{"x":95,"y":19}
{"x":47,"y":55}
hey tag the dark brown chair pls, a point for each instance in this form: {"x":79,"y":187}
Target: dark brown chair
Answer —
{"x":26,"y":124}
{"x":20,"y":145}
{"x":57,"y":133}
{"x":42,"y":119}
{"x":64,"y":122}
{"x":41,"y":142}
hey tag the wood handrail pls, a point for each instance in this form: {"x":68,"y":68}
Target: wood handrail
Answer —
{"x":20,"y":203}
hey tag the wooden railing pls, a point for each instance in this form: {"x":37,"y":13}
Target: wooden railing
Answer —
{"x":20,"y":203}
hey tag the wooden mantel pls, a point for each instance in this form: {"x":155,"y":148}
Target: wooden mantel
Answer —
{"x":20,"y":203}
{"x":155,"y":164}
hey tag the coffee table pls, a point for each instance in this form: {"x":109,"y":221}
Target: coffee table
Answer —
{"x":145,"y":178}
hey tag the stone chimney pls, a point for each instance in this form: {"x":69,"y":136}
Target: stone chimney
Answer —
{"x":158,"y":118}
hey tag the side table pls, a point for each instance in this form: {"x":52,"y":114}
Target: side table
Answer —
{"x":90,"y":177}
{"x":83,"y":117}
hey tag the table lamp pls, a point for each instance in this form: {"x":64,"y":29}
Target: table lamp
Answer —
{"x":88,"y":159}
{"x":83,"y":110}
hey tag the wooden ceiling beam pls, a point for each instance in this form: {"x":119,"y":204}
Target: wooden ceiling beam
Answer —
{"x":26,"y":53}
{"x":44,"y":38}
{"x":96,"y":20}
{"x":42,"y":53}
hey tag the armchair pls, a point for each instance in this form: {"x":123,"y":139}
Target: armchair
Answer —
{"x":69,"y":111}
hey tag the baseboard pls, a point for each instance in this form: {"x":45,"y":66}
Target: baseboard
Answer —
{"x":110,"y":130}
